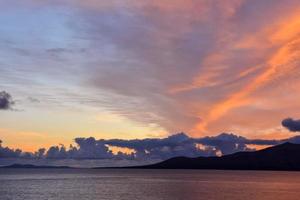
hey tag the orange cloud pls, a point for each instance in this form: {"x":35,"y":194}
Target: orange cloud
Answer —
{"x":278,"y":64}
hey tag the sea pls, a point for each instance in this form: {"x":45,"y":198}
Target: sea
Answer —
{"x":144,"y":184}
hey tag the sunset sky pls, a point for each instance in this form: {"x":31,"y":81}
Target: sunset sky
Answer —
{"x":131,"y":69}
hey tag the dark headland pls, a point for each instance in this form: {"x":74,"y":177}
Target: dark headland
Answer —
{"x":281,"y":157}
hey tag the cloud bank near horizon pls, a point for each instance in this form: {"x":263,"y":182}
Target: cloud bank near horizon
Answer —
{"x":146,"y":149}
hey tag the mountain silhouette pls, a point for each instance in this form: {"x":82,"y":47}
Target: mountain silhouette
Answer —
{"x":285,"y":156}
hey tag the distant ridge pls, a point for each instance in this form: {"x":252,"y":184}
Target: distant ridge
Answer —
{"x":285,"y":156}
{"x":28,"y":166}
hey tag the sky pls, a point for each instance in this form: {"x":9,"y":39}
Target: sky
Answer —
{"x":131,"y":69}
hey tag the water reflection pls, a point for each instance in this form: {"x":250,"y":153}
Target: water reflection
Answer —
{"x":67,"y":184}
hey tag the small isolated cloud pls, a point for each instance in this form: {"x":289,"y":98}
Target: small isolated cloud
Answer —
{"x":33,"y":100}
{"x":291,"y":124}
{"x":6,"y":101}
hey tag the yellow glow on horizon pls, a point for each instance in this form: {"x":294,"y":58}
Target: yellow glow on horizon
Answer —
{"x":115,"y":150}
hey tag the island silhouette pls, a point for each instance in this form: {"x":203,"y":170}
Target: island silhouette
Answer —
{"x":285,"y":156}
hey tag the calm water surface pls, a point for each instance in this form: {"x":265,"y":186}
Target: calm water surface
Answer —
{"x":81,"y":184}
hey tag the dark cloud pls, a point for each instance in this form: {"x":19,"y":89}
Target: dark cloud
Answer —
{"x":291,"y":124}
{"x":175,"y":145}
{"x":91,"y":148}
{"x":87,"y":148}
{"x":6,"y":101}
{"x":6,"y":152}
{"x":182,"y":145}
